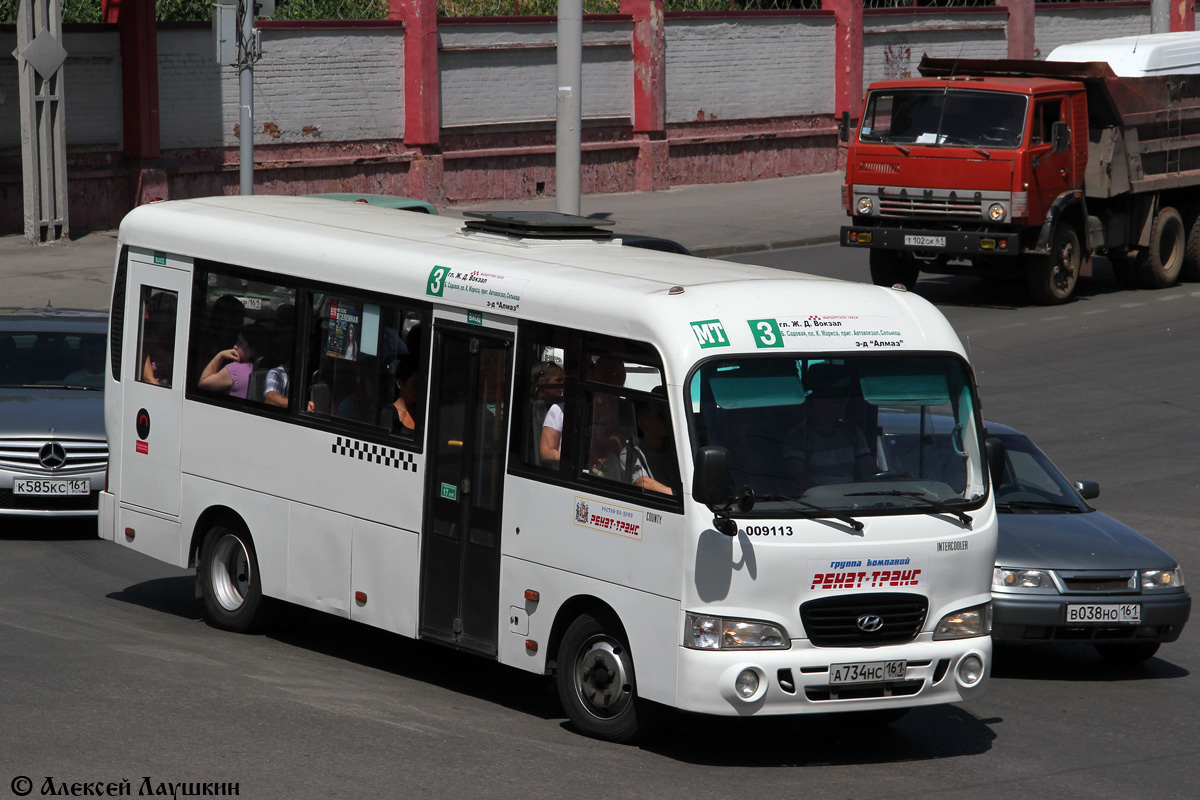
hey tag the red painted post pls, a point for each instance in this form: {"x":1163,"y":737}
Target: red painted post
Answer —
{"x":1183,"y":15}
{"x":139,"y":76}
{"x":110,"y":11}
{"x":422,"y":111}
{"x":848,"y":55}
{"x":1020,"y":28}
{"x":649,"y":93}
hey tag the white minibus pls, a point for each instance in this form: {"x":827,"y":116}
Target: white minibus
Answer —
{"x":665,"y":480}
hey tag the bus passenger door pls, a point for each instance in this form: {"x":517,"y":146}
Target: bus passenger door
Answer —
{"x":468,"y":431}
{"x":157,"y":303}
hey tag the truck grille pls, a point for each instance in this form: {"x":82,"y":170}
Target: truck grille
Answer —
{"x":833,"y":621}
{"x":927,"y":204}
{"x":82,"y":455}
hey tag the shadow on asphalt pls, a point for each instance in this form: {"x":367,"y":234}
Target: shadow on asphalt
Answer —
{"x":1077,"y":663}
{"x":175,"y":596}
{"x":35,"y":529}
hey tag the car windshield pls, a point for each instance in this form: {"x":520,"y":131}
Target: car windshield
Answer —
{"x":955,"y":117}
{"x":827,"y":436}
{"x":51,"y":358}
{"x":1030,"y":483}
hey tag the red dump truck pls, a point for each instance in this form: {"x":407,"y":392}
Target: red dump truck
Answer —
{"x":1027,"y":169}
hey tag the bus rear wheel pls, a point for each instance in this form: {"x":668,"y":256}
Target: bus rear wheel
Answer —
{"x":596,"y":682}
{"x":229,"y":578}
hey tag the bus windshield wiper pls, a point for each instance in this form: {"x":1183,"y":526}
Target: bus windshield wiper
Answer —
{"x":937,"y":505}
{"x":822,"y":510}
{"x":1037,"y":504}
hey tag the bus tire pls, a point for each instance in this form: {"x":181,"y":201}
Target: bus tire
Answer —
{"x":1162,"y":261}
{"x":1191,"y":256}
{"x":1127,"y":653}
{"x":892,"y":267}
{"x":230,"y":581}
{"x":596,"y":682}
{"x":1052,"y":278}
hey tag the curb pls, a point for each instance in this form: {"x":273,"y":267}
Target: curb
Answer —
{"x":736,"y":249}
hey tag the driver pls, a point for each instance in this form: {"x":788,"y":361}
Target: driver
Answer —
{"x":825,"y":448}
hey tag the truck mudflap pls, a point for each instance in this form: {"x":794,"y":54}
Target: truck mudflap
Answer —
{"x":933,"y":242}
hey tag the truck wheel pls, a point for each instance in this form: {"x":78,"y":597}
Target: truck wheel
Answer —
{"x":596,"y":683}
{"x":230,"y":581}
{"x":1159,"y":267}
{"x":1191,"y":256}
{"x":891,"y":267}
{"x":1052,"y":278}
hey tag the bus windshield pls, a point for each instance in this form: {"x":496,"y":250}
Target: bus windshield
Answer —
{"x":956,"y":117}
{"x":847,"y":434}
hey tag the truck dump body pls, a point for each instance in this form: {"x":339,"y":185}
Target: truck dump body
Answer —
{"x":1144,"y":132}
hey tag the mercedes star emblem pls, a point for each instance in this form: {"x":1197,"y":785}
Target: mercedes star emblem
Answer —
{"x":52,"y":455}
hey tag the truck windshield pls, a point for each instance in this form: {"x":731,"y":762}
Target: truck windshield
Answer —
{"x":863,"y":435}
{"x":954,"y":117}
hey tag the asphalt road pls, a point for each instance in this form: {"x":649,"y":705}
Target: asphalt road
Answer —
{"x":108,"y":674}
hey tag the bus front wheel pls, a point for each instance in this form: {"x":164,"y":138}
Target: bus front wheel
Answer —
{"x":596,"y":682}
{"x":233,"y":598}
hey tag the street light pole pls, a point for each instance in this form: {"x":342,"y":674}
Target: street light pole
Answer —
{"x":247,"y":52}
{"x":568,"y":140}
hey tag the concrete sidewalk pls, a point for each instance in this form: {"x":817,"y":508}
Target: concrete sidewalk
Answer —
{"x":711,"y":219}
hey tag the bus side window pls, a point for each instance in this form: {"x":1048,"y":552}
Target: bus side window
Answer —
{"x":156,"y":339}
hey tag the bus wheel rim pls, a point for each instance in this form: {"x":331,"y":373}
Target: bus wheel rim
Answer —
{"x":230,"y":572}
{"x":601,"y":680}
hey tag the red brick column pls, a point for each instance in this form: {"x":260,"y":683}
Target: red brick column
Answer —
{"x":848,"y":55}
{"x":1021,"y":42}
{"x":422,"y":111}
{"x":649,"y":93}
{"x":1183,"y":15}
{"x":139,"y":73}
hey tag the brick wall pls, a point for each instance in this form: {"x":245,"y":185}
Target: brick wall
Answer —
{"x":1056,"y":25}
{"x":893,"y":44}
{"x":749,"y":68}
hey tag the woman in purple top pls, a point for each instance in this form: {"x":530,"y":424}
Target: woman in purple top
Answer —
{"x":229,"y":371}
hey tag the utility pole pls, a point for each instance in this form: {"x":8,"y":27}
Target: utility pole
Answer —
{"x":568,"y":138}
{"x":248,"y":53}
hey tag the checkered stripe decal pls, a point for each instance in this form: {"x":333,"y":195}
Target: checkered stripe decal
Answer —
{"x":374,"y":453}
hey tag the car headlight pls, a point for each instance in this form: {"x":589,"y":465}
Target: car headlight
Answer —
{"x":973,"y":621}
{"x":1005,"y":578}
{"x":717,"y":633}
{"x":996,"y":212}
{"x":864,"y":205}
{"x":1161,"y":578}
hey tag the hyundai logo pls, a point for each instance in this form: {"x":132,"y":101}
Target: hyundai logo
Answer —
{"x":52,"y":455}
{"x":869,"y":623}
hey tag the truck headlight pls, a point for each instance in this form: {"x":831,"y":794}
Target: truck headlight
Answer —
{"x":997,"y":212}
{"x":717,"y":633}
{"x":864,"y":206}
{"x":1161,"y":578}
{"x":1005,"y":578}
{"x":973,"y":621}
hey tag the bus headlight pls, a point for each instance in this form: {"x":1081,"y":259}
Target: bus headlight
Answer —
{"x":717,"y":633}
{"x":996,"y":212}
{"x":864,"y":206}
{"x":1162,"y":578}
{"x":973,"y":621}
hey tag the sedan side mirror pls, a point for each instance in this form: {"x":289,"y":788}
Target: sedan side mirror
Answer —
{"x":996,"y":452}
{"x":1088,"y":490}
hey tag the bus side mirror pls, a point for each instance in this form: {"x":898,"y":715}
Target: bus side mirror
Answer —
{"x":1060,"y":137}
{"x":996,"y":452}
{"x":844,"y":127}
{"x":712,"y":476}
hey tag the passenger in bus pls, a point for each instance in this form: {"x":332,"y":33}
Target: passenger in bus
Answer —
{"x":229,"y":370}
{"x":610,"y":430}
{"x":362,"y":401}
{"x":550,"y":443}
{"x":400,"y":416}
{"x":226,"y":317}
{"x":546,"y":382}
{"x":825,"y":448}
{"x":649,"y":461}
{"x":278,"y":379}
